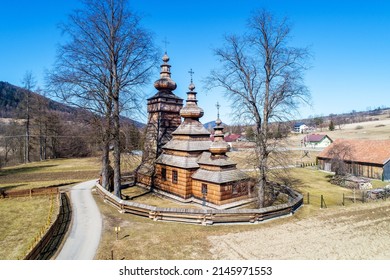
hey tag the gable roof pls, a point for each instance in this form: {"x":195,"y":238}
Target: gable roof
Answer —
{"x":220,"y":177}
{"x":232,"y":137}
{"x":315,"y":137}
{"x":298,"y":124}
{"x":365,"y":151}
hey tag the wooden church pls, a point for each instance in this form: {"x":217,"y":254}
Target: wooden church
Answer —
{"x":179,"y":158}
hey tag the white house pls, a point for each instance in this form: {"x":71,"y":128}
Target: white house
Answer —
{"x":300,"y":127}
{"x":316,"y":141}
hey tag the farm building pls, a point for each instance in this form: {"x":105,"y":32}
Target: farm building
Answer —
{"x":366,"y":158}
{"x":316,"y":141}
{"x":300,"y":127}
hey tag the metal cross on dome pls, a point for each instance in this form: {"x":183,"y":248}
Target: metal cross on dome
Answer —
{"x":166,"y":42}
{"x":191,"y":73}
{"x":218,"y":106}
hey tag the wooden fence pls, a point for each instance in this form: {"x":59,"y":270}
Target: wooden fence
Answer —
{"x":53,"y":190}
{"x":48,"y":245}
{"x":204,"y":216}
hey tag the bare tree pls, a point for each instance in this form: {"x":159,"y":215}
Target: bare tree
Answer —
{"x":340,"y":154}
{"x":108,"y":58}
{"x":29,"y":84}
{"x":263,"y":77}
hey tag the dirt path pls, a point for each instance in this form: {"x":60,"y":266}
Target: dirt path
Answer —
{"x":86,"y":227}
{"x":356,"y":232}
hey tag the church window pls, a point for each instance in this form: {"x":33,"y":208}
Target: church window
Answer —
{"x":174,"y":176}
{"x":164,"y":174}
{"x":204,"y":189}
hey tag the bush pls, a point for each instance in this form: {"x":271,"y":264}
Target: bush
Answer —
{"x":359,"y":127}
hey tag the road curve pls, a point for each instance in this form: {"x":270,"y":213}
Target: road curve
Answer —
{"x":86,"y":228}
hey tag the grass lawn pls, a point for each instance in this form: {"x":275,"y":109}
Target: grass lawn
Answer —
{"x":21,"y":219}
{"x":49,"y":172}
{"x":144,"y":239}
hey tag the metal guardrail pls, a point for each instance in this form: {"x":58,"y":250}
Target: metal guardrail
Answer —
{"x":204,"y":216}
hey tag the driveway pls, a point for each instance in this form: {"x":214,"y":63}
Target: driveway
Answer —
{"x":86,"y":227}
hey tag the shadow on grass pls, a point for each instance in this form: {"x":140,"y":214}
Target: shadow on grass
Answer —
{"x":125,"y":236}
{"x":25,"y":169}
{"x":129,"y":197}
{"x":6,"y":188}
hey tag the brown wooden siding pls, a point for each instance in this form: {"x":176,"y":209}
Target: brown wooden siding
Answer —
{"x":368,"y":170}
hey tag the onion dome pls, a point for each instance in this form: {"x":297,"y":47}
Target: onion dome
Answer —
{"x":165,"y":82}
{"x":219,"y":146}
{"x":191,"y":109}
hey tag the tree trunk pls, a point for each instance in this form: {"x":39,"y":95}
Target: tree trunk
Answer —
{"x":105,"y":179}
{"x":105,"y":164}
{"x":27,"y":143}
{"x":117,"y":152}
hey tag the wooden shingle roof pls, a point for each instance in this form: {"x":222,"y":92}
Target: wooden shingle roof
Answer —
{"x":187,"y":145}
{"x":363,"y":151}
{"x":220,"y":177}
{"x":178,"y":161}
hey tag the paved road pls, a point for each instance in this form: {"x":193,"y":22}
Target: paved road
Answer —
{"x":86,"y":227}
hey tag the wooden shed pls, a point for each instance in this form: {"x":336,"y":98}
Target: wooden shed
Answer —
{"x":366,"y":158}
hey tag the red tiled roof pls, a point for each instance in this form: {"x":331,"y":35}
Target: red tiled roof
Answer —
{"x":314,"y":137}
{"x":365,"y":151}
{"x":232,"y":137}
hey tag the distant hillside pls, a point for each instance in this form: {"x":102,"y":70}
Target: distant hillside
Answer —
{"x":11,"y":98}
{"x":211,"y":125}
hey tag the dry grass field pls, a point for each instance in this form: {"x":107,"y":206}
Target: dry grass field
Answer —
{"x":374,"y":130}
{"x":353,"y":231}
{"x":21,"y":219}
{"x":48,"y":173}
{"x":296,"y":237}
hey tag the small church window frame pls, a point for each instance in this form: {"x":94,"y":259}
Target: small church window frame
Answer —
{"x":204,"y":189}
{"x":163,"y":174}
{"x":174,"y":176}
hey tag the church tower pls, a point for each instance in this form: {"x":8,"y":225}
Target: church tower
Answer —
{"x":163,"y":118}
{"x":177,"y":163}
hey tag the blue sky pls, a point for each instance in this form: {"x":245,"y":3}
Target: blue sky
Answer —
{"x":349,"y":40}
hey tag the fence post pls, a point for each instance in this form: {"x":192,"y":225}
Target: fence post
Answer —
{"x":363,"y":197}
{"x":323,"y":204}
{"x":308,"y":198}
{"x":343,"y":199}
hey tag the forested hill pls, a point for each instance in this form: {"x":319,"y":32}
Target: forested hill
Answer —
{"x":12,"y":100}
{"x":12,"y":97}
